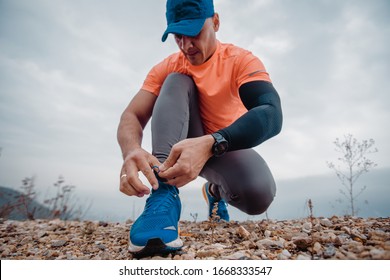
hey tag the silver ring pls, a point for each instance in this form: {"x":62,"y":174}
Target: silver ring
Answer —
{"x":123,"y":176}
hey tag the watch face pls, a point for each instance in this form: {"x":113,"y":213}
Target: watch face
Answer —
{"x":220,"y":148}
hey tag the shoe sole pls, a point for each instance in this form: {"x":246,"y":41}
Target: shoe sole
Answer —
{"x":154,"y":247}
{"x":205,"y":194}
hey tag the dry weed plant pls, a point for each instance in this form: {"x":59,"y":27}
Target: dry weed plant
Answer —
{"x":311,"y":217}
{"x":213,"y":220}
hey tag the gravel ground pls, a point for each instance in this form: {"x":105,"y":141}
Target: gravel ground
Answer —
{"x":312,"y":238}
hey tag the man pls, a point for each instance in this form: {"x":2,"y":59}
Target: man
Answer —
{"x":210,"y":103}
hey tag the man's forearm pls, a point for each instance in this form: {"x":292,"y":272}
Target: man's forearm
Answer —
{"x":134,"y":120}
{"x":129,"y":134}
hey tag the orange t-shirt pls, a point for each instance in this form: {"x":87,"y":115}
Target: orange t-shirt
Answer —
{"x":218,"y":81}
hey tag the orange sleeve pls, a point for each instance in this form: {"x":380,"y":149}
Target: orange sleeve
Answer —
{"x":156,"y":77}
{"x":250,"y":68}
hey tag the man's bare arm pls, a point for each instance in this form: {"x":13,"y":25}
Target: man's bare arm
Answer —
{"x":130,"y":132}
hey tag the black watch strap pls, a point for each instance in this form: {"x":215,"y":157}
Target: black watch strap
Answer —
{"x":220,"y":145}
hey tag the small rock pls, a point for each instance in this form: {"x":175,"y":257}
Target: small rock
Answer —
{"x":249,"y":244}
{"x":215,"y":247}
{"x":330,"y":251}
{"x":205,"y":254}
{"x":326,"y":222}
{"x":379,"y":235}
{"x":58,"y":243}
{"x":41,"y":234}
{"x":302,"y":242}
{"x":242,"y":232}
{"x":338,"y":241}
{"x":240,"y":255}
{"x":103,"y":256}
{"x":317,"y":248}
{"x":69,"y":256}
{"x":284,"y":255}
{"x":357,"y":236}
{"x":188,"y":256}
{"x":101,"y":246}
{"x":5,"y":253}
{"x":268,"y":243}
{"x":77,"y":240}
{"x":26,"y":240}
{"x":377,"y":254}
{"x":103,"y":224}
{"x":307,"y":227}
{"x":303,"y":257}
{"x":317,"y":227}
{"x":346,"y":230}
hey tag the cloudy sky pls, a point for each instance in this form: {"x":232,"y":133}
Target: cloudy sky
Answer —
{"x":68,"y":68}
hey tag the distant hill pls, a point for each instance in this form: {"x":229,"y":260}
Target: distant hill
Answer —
{"x":11,"y":208}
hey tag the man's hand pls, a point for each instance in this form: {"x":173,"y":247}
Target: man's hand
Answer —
{"x":138,"y":160}
{"x":186,"y":160}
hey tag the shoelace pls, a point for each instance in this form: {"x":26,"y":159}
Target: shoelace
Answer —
{"x":160,"y":201}
{"x":222,"y":210}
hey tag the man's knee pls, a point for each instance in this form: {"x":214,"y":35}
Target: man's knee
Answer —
{"x":258,"y":202}
{"x":255,"y":199}
{"x":179,"y":79}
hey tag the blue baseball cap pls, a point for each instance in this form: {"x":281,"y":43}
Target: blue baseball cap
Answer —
{"x":187,"y":17}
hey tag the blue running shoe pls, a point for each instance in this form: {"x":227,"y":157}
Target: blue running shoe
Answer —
{"x":222,"y":211}
{"x":156,"y":231}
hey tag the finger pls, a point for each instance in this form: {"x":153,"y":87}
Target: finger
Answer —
{"x":171,"y":159}
{"x":126,"y":188}
{"x":155,"y":169}
{"x":154,"y":161}
{"x":134,"y":181}
{"x":149,"y":174}
{"x":174,"y":171}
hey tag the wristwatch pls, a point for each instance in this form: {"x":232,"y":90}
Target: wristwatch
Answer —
{"x":220,"y":145}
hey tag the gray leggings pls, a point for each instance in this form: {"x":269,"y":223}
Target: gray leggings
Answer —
{"x":242,"y":177}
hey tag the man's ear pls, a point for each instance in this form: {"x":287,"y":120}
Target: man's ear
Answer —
{"x":216,"y":22}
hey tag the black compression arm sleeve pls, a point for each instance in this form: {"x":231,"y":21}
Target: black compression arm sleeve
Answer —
{"x":262,"y":121}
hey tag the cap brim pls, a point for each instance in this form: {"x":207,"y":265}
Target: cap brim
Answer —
{"x":188,"y":27}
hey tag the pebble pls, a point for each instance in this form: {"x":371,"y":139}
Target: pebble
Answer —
{"x":307,"y":227}
{"x":267,"y":234}
{"x":242,"y":232}
{"x":240,"y":255}
{"x":41,"y":234}
{"x":377,"y":254}
{"x":205,"y":253}
{"x":302,"y":243}
{"x":321,"y":238}
{"x":356,"y":235}
{"x":326,"y":222}
{"x":284,"y":255}
{"x":303,"y":256}
{"x":317,"y":248}
{"x":330,"y":251}
{"x":58,"y":243}
{"x":268,"y":243}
